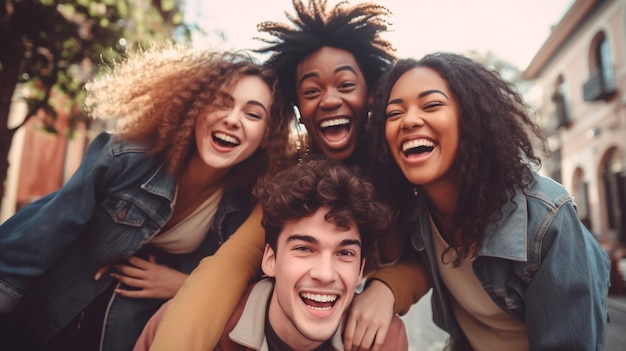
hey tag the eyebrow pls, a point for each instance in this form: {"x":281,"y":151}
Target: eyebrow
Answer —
{"x":312,"y":240}
{"x":432,"y":91}
{"x":420,"y":95}
{"x":254,"y":102}
{"x":337,"y":70}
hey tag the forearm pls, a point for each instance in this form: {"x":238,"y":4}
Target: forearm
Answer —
{"x":197,"y":315}
{"x":407,"y":280}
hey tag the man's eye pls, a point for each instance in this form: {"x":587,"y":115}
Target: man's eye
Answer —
{"x":347,"y":253}
{"x":302,"y":249}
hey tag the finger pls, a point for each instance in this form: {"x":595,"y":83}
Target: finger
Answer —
{"x":101,"y":271}
{"x":348,"y":334}
{"x":135,"y":294}
{"x":359,"y":337}
{"x":368,"y":339}
{"x":139,"y":262}
{"x":151,"y":258}
{"x":381,"y":335}
{"x":135,"y":283}
{"x":131,"y":271}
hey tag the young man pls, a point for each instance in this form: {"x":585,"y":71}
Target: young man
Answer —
{"x":320,"y":219}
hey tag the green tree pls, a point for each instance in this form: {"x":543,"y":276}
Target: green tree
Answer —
{"x":507,"y":70}
{"x":48,"y":45}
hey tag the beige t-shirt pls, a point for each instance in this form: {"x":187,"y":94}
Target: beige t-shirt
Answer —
{"x":486,"y":326}
{"x":187,"y":235}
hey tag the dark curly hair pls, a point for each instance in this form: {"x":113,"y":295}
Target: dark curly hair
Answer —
{"x":495,"y":154}
{"x":157,"y":94}
{"x":322,"y":182}
{"x":353,"y":28}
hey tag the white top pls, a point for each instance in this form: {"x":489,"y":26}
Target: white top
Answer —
{"x":486,"y":326}
{"x":187,"y":235}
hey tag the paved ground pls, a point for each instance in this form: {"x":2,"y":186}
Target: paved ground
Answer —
{"x":424,"y":335}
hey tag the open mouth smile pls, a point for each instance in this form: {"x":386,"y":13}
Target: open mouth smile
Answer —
{"x":320,"y":302}
{"x":225,"y":140}
{"x":418,"y":146}
{"x":335,"y":129}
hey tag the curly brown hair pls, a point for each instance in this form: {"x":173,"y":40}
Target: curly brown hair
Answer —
{"x":495,"y":154}
{"x":156,"y":95}
{"x":322,"y":182}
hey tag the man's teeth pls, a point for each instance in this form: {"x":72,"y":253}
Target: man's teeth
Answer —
{"x":319,"y":297}
{"x":226,"y":138}
{"x":334,"y":122}
{"x":412,"y":144}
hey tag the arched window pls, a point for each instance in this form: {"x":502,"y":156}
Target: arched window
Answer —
{"x":601,"y":83}
{"x":615,"y":190}
{"x":560,"y":97}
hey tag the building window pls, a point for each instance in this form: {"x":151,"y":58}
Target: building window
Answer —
{"x":560,"y":97}
{"x":601,"y":82}
{"x":615,"y":188}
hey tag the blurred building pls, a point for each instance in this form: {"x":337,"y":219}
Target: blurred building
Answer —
{"x":580,"y":90}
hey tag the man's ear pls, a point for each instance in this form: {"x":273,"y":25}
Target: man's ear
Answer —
{"x":269,"y":261}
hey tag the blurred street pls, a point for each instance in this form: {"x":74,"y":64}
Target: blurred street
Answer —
{"x":424,"y":335}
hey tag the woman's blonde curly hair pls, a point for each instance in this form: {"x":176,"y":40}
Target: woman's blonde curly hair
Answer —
{"x":157,"y":94}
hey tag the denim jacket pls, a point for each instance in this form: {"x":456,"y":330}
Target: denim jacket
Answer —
{"x":538,"y":263}
{"x":117,"y":200}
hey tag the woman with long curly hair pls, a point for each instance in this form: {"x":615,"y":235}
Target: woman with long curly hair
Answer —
{"x":329,"y":59}
{"x":512,"y":267}
{"x":85,"y":267}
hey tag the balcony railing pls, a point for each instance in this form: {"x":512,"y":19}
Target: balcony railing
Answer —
{"x":600,"y":86}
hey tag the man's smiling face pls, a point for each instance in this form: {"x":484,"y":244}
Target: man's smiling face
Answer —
{"x":317,"y":268}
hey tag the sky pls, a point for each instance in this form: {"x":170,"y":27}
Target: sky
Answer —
{"x":511,"y":29}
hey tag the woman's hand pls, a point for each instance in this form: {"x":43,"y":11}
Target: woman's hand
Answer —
{"x":369,"y":318}
{"x":152,"y":280}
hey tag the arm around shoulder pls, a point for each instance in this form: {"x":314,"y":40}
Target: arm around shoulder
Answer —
{"x":213,"y":289}
{"x":407,"y":280}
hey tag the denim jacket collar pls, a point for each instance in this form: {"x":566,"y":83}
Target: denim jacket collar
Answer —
{"x":161,"y":183}
{"x":507,"y":237}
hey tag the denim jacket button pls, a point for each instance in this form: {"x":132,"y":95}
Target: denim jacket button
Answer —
{"x":121,"y":215}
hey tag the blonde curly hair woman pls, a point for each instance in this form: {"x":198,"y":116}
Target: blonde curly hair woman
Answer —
{"x":86,"y":266}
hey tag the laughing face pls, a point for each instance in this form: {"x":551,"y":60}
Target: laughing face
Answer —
{"x":231,"y":133}
{"x":422,"y":127}
{"x":332,"y":100}
{"x":317,"y":269}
